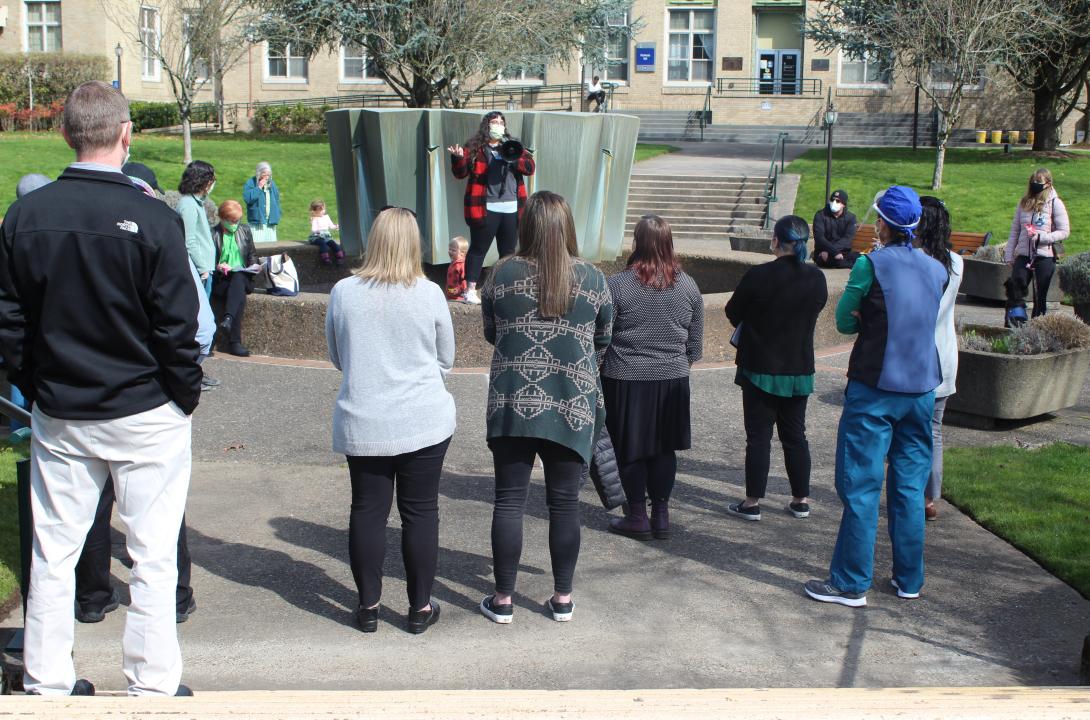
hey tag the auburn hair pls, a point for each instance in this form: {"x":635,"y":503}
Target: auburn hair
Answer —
{"x":653,"y":258}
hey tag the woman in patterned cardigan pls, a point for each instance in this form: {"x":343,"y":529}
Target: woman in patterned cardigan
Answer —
{"x":549,"y":315}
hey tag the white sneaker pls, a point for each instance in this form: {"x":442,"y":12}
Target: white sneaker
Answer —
{"x":471,"y":297}
{"x":901,"y":593}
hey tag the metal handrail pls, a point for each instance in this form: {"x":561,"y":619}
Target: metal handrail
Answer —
{"x":772,"y":182}
{"x":14,"y":412}
{"x":706,"y":112}
{"x":569,"y":95}
{"x":747,"y":86}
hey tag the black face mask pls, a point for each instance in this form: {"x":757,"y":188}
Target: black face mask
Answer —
{"x":1036,"y":187}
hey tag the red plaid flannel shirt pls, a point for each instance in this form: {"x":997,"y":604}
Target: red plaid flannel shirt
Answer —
{"x":477,"y":186}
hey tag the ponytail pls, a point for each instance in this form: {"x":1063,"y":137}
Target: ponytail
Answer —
{"x":793,"y":232}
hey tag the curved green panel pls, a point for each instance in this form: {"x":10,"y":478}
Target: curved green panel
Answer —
{"x":399,"y":157}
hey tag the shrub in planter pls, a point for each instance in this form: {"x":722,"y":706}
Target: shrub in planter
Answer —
{"x":1021,"y":373}
{"x":987,"y":270}
{"x":1074,"y":275}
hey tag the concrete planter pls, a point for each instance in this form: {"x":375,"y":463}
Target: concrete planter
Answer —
{"x":985,"y":280}
{"x":993,"y":386}
{"x":753,"y":244}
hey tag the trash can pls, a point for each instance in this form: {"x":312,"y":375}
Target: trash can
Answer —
{"x":1030,"y":135}
{"x":982,"y":136}
{"x":997,"y":137}
{"x":1013,"y":136}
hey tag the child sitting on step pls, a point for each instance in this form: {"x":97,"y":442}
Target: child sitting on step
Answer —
{"x":456,"y":273}
{"x":321,"y":227}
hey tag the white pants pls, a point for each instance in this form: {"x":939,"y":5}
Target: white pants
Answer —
{"x":148,"y":455}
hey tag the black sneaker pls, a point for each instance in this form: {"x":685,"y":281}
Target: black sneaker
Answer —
{"x":184,"y":691}
{"x":82,"y":687}
{"x":799,"y":510}
{"x":746,"y":513}
{"x":561,"y":612}
{"x":502,"y":614}
{"x":180,"y":616}
{"x":367,"y":618}
{"x":421,"y":620}
{"x":824,"y":591}
{"x":95,"y":615}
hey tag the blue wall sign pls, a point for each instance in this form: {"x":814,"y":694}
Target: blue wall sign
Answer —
{"x":645,"y":57}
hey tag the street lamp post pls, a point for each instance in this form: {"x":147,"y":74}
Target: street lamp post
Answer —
{"x":118,"y":51}
{"x":830,"y":121}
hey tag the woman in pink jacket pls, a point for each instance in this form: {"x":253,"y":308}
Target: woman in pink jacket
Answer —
{"x":1040,"y":221}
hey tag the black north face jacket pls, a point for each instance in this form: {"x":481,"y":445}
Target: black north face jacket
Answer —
{"x":98,"y":308}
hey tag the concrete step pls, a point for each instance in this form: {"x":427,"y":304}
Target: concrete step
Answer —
{"x":685,"y":195}
{"x":642,"y":206}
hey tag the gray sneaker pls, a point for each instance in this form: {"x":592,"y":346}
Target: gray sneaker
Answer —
{"x":825,"y":591}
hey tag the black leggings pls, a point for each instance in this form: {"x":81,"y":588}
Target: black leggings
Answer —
{"x":93,"y":568}
{"x":416,"y":475}
{"x":232,"y":290}
{"x":653,"y":476}
{"x":1043,"y":269}
{"x":504,"y":228}
{"x":760,"y":411}
{"x":514,"y":459}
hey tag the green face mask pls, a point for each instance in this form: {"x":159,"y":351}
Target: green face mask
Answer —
{"x":230,"y":227}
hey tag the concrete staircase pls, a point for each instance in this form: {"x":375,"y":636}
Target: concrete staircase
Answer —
{"x":663,"y":125}
{"x":881,"y":129}
{"x":698,"y":208}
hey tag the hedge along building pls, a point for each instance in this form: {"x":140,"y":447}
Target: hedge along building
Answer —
{"x":746,"y":60}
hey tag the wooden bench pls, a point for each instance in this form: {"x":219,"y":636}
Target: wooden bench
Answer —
{"x":964,"y":243}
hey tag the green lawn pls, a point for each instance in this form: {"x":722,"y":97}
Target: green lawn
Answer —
{"x":1038,"y":500}
{"x":300,"y":165}
{"x":9,"y":523}
{"x":980,"y":187}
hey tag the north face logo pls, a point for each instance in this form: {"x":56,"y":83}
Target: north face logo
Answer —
{"x":128,"y":226}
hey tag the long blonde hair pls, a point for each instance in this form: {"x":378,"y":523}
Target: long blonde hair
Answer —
{"x":547,"y":236}
{"x":393,"y":249}
{"x":1035,"y":202}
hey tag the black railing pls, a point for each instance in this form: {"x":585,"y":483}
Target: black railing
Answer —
{"x":773,"y":181}
{"x":528,"y":97}
{"x":749,"y":87}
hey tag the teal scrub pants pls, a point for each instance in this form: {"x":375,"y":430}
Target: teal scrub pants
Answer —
{"x":876,"y":425}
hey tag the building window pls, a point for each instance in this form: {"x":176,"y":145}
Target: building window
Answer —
{"x":942,"y":78}
{"x":43,"y":26}
{"x":522,"y":76}
{"x":149,"y":43}
{"x":617,"y":50}
{"x":356,"y":66}
{"x":692,"y":46}
{"x":867,"y":71}
{"x":199,"y":66}
{"x":285,"y":63}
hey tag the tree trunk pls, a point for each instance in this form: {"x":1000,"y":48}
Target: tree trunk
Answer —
{"x":1046,"y":119}
{"x":422,"y":92}
{"x":940,"y":161}
{"x":187,"y":139}
{"x":217,"y":93}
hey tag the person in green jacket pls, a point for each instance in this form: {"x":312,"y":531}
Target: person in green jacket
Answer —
{"x":196,"y":185}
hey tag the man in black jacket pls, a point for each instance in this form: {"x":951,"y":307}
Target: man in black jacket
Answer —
{"x":98,"y":318}
{"x":834,"y":228}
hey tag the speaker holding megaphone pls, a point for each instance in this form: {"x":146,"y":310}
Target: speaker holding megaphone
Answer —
{"x":511,"y":151}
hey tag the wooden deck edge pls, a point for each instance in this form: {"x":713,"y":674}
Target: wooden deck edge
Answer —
{"x":1071,"y":703}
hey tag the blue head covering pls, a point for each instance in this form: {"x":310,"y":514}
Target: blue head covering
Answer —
{"x":899,"y":207}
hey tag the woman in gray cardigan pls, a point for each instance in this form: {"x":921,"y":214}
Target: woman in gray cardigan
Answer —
{"x":389,"y":331}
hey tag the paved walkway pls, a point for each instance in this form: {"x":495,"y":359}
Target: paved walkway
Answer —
{"x":710,"y":158}
{"x":718,"y":605}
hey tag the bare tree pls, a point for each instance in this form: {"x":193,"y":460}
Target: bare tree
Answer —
{"x":193,"y":42}
{"x":942,"y":47}
{"x":447,"y":50}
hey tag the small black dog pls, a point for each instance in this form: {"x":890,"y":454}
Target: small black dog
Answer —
{"x":1016,"y":315}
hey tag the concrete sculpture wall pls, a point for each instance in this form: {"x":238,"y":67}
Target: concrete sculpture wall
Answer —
{"x":399,"y":157}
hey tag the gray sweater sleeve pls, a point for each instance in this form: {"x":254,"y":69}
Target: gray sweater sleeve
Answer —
{"x":694,"y":347}
{"x":330,"y":333}
{"x":444,"y":332}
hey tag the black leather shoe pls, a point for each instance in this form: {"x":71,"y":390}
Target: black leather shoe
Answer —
{"x":421,"y":620}
{"x":94,"y":615}
{"x":238,"y":350}
{"x":183,"y":691}
{"x":180,"y":616}
{"x":367,"y":619}
{"x":227,"y":323}
{"x":83,"y":687}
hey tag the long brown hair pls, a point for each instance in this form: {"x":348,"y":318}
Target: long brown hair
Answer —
{"x":1035,"y":202}
{"x":653,"y":258}
{"x":481,"y":138}
{"x":547,"y":236}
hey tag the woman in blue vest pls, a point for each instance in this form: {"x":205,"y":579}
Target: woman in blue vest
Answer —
{"x":892,"y":302}
{"x":262,"y":198}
